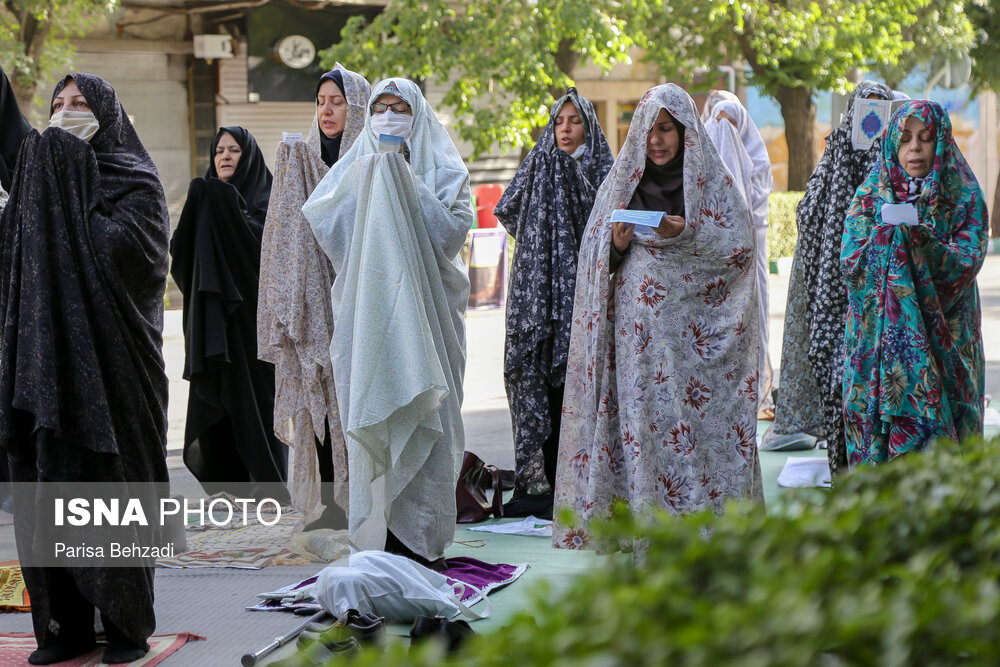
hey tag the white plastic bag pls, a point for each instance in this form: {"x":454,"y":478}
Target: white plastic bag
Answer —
{"x":391,"y":586}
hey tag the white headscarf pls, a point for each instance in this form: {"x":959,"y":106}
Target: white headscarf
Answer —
{"x":723,"y":100}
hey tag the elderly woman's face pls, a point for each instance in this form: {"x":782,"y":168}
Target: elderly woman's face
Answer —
{"x":331,"y":108}
{"x":663,"y":141}
{"x":569,"y":128}
{"x":227,"y":156}
{"x":70,"y":99}
{"x":916,"y":148}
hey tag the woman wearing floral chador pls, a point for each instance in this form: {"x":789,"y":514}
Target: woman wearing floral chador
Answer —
{"x":661,"y":383}
{"x":914,"y":240}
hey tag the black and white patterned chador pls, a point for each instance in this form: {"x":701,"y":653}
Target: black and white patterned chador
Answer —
{"x":545,"y":209}
{"x":813,"y":345}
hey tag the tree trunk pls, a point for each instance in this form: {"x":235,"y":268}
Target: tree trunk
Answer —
{"x":33,"y":34}
{"x":799,"y":114}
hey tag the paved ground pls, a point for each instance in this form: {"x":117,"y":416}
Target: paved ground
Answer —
{"x":202,"y":601}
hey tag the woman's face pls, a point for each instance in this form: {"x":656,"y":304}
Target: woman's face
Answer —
{"x":916,"y":148}
{"x":332,"y":109}
{"x":70,"y":99}
{"x":569,"y":128}
{"x":389,"y":101}
{"x":663,"y":141}
{"x":227,"y":156}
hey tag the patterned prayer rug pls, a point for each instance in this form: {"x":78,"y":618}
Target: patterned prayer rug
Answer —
{"x":13,"y":594}
{"x":15,"y":648}
{"x":234,"y":545}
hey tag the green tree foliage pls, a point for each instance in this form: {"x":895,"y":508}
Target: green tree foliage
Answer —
{"x":501,"y":62}
{"x":34,"y":39}
{"x":793,"y":47}
{"x":940,"y":29}
{"x":985,"y":18}
{"x":896,"y":566}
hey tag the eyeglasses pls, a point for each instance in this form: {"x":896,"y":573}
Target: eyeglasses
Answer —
{"x":398,"y":107}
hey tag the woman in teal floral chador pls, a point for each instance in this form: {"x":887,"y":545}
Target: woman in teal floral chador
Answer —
{"x":914,"y":240}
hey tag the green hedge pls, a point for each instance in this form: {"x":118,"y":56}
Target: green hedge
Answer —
{"x":781,"y":229}
{"x":896,"y":566}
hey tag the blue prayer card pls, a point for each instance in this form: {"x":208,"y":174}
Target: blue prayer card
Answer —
{"x":644,"y":218}
{"x":390,"y":143}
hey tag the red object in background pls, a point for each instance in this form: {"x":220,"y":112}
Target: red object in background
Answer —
{"x":487,"y":197}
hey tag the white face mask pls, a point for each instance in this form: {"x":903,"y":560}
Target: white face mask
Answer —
{"x":390,"y":122}
{"x":81,"y":124}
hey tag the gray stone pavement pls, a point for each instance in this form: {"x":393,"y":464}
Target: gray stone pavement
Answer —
{"x":209,"y":602}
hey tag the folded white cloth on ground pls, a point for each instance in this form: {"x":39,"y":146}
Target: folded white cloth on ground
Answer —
{"x":803,"y":472}
{"x":529,"y":526}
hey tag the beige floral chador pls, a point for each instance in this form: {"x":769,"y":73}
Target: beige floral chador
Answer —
{"x":294,"y":319}
{"x":661,"y":385}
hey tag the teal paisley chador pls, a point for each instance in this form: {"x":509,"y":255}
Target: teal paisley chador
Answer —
{"x":914,"y":369}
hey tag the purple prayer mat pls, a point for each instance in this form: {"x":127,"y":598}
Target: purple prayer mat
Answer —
{"x":485,"y":577}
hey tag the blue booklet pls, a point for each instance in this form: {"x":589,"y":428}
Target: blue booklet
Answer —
{"x":390,"y":143}
{"x":644,"y":218}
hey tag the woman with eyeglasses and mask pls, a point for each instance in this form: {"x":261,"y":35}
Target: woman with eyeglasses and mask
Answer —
{"x":229,"y":436}
{"x":83,"y":392}
{"x":915,"y":238}
{"x":393,"y":218}
{"x":660,"y":408}
{"x":294,"y":320}
{"x":545,"y":208}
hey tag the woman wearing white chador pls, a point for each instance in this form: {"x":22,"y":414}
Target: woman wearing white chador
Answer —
{"x":661,"y":384}
{"x":393,"y":225}
{"x":735,"y":136}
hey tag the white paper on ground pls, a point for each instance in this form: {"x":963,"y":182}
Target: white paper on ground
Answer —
{"x":805,"y":471}
{"x":632,"y":217}
{"x":529,"y":526}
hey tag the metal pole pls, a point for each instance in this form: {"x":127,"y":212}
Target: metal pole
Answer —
{"x":250,"y":659}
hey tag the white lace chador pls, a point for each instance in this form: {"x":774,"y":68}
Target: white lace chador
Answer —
{"x":393,"y":230}
{"x":661,"y":386}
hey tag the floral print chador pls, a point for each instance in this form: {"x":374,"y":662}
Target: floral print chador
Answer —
{"x":915,"y":367}
{"x":661,"y":384}
{"x":545,"y":209}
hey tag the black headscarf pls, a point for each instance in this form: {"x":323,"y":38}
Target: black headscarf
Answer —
{"x":251,"y":178}
{"x":330,"y":146}
{"x":229,"y":434}
{"x":662,"y":186}
{"x":13,"y":127}
{"x":597,"y":158}
{"x":83,"y":392}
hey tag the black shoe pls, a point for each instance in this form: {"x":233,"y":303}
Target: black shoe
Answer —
{"x":452,"y":633}
{"x":60,"y":651}
{"x":120,"y":648}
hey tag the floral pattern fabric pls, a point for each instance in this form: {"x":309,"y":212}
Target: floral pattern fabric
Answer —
{"x":915,"y":368}
{"x":661,"y":383}
{"x":809,"y":398}
{"x":545,"y":208}
{"x":294,"y":316}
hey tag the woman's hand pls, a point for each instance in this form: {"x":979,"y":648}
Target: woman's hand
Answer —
{"x":670,"y":226}
{"x":621,"y":236}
